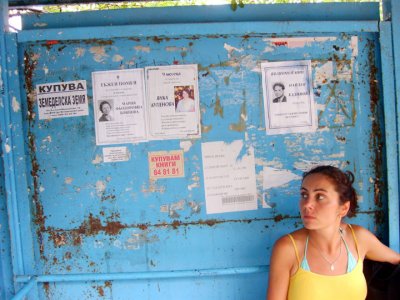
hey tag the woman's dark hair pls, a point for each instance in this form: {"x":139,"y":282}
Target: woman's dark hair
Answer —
{"x":343,"y":182}
{"x":103,"y":103}
{"x":187,"y":90}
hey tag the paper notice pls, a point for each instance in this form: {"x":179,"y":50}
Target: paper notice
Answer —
{"x":229,"y":177}
{"x":288,"y":97}
{"x":62,"y":99}
{"x":166,"y":164}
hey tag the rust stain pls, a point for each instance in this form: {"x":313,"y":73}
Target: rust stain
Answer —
{"x":205,"y":128}
{"x":93,"y":226}
{"x":376,"y":144}
{"x":100,"y":291}
{"x":39,"y":218}
{"x":99,"y":42}
{"x":142,"y":226}
{"x":68,"y":255}
{"x":59,"y":239}
{"x":240,"y":126}
{"x":46,"y":287}
{"x":279,"y":218}
{"x":218,"y":109}
{"x":157,"y":39}
{"x":107,"y":197}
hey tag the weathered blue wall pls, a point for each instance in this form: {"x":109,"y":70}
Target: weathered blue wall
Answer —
{"x":105,"y":230}
{"x":6,"y":281}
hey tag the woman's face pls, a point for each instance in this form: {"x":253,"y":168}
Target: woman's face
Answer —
{"x":185,"y":94}
{"x":320,"y":203}
{"x":106,"y":108}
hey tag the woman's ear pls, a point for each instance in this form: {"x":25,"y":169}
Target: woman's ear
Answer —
{"x":344,"y":209}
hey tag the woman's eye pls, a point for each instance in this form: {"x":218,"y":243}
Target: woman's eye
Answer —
{"x":303,"y":196}
{"x":320,"y":197}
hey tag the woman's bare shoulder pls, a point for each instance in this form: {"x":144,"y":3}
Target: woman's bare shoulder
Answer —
{"x":285,"y":241}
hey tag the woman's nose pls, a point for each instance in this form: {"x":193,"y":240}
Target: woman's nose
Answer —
{"x":308,"y":203}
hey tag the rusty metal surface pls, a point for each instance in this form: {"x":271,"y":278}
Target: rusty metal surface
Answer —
{"x":96,"y":217}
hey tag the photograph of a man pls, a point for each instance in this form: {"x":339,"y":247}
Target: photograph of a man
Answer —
{"x":279,"y":91}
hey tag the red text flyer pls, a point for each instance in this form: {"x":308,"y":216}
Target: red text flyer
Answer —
{"x":166,"y":164}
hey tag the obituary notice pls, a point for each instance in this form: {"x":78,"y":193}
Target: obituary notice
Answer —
{"x":288,"y":97}
{"x":173,"y":102}
{"x":119,"y":110}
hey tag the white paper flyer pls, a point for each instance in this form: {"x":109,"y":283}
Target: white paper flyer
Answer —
{"x":119,"y":109}
{"x":288,"y":97}
{"x":173,"y":102}
{"x":62,"y":99}
{"x":229,"y":177}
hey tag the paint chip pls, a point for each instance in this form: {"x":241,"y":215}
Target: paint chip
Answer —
{"x":98,"y":159}
{"x":15,"y":105}
{"x":68,"y":180}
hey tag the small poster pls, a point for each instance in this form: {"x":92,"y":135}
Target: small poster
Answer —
{"x":173,"y":102}
{"x":62,"y":99}
{"x":229,"y":177}
{"x":288,"y":97}
{"x":166,"y":164}
{"x":118,"y":103}
{"x":115,"y":154}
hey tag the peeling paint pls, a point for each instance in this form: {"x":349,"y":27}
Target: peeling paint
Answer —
{"x":218,"y":109}
{"x":68,"y":180}
{"x":38,"y":24}
{"x":305,"y":165}
{"x":15,"y":105}
{"x":117,"y":58}
{"x":295,"y":42}
{"x":142,"y":49}
{"x":97,"y":160}
{"x":79,"y":52}
{"x":206,"y":128}
{"x":186,"y":145}
{"x":175,"y":49}
{"x":196,"y":208}
{"x":323,"y":73}
{"x":273,"y":178}
{"x":100,"y":187}
{"x":99,"y":53}
{"x":193,"y":185}
{"x":231,"y":49}
{"x":47,"y":139}
{"x":354,"y":46}
{"x":241,"y":125}
{"x":152,"y":187}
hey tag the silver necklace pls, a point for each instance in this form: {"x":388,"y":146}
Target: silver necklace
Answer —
{"x":332,"y":264}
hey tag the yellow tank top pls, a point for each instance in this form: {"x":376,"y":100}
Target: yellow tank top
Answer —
{"x":306,"y":285}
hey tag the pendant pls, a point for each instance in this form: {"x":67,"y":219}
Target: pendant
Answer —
{"x":332,"y":268}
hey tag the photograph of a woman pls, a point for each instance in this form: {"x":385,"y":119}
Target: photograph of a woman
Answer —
{"x":184,"y":101}
{"x":106,"y":108}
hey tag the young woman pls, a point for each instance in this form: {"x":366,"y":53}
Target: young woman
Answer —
{"x":186,"y":104}
{"x":324,"y":260}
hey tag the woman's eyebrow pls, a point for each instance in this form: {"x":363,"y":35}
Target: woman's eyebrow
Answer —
{"x":316,"y":190}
